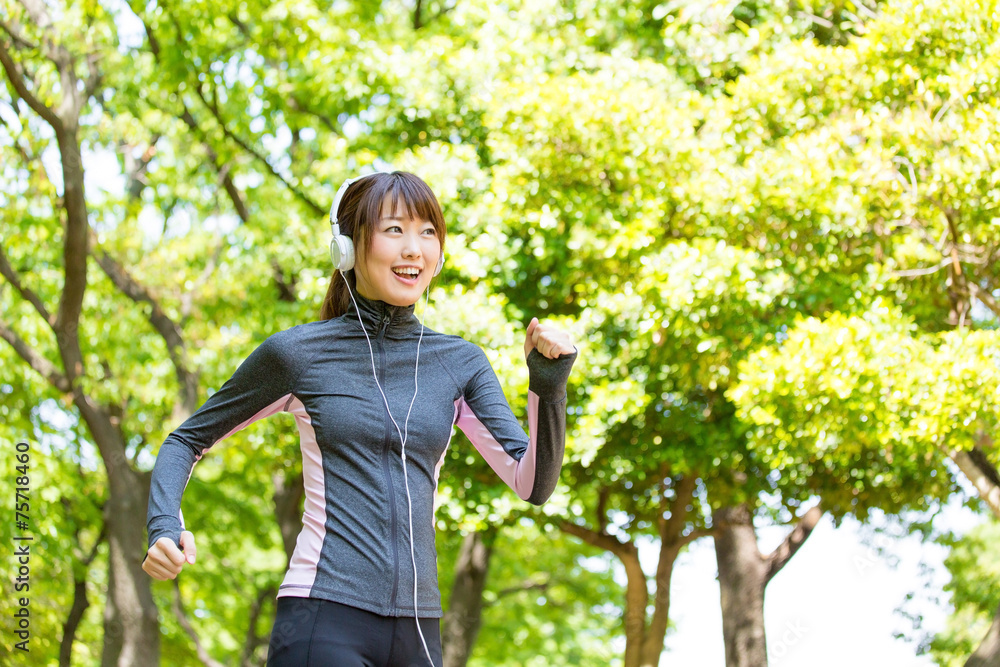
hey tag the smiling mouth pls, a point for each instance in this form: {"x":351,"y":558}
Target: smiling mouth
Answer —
{"x":407,"y":272}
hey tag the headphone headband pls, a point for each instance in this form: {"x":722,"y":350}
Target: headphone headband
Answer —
{"x":340,"y":195}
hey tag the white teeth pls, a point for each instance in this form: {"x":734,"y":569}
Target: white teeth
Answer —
{"x":407,"y":271}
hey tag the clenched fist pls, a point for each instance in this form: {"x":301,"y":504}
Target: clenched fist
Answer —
{"x":550,"y":341}
{"x":165,"y":561}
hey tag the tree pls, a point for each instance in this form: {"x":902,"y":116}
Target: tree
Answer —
{"x":974,"y":572}
{"x":878,"y":208}
{"x":51,"y":82}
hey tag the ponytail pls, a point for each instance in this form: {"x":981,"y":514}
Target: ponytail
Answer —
{"x":337,"y":300}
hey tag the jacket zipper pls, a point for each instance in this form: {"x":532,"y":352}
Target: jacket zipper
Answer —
{"x":386,"y":451}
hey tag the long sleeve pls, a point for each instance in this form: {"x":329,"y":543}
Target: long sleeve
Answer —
{"x":260,"y":387}
{"x":529,"y":464}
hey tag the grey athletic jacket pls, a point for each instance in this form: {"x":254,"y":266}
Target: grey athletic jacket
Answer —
{"x":354,"y":546}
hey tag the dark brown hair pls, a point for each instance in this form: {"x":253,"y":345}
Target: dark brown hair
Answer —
{"x":359,"y":212}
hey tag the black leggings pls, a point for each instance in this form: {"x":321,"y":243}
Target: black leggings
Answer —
{"x":309,"y":631}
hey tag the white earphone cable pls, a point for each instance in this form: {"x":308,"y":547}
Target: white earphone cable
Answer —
{"x":402,"y":438}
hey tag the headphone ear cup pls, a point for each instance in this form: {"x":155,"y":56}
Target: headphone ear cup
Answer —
{"x":342,"y":252}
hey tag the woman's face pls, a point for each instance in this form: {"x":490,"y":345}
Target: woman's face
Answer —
{"x":401,"y":261}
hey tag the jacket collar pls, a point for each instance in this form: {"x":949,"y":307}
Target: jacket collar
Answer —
{"x":378,"y":315}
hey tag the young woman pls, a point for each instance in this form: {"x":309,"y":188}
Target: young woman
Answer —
{"x":375,"y":395}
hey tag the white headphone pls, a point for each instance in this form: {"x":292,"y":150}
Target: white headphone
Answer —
{"x":341,"y":246}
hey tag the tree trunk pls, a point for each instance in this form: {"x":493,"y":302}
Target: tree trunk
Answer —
{"x":80,"y":601}
{"x":289,"y":491}
{"x":80,"y":604}
{"x":253,"y":640}
{"x":988,"y":653}
{"x":644,"y":642}
{"x":636,"y":601}
{"x":464,"y":615}
{"x":742,"y":577}
{"x":983,"y":475}
{"x":131,"y":620}
{"x":288,"y":494}
{"x":744,"y":574}
{"x":644,"y":636}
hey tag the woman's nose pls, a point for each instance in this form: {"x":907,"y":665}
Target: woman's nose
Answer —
{"x":411,"y":246}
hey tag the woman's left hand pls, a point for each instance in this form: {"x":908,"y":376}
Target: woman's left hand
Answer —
{"x":549,"y":341}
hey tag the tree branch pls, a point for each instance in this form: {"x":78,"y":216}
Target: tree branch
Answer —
{"x":958,"y":285}
{"x":64,"y":121}
{"x":162,"y":323}
{"x":984,"y":297}
{"x":303,"y":197}
{"x":20,"y":41}
{"x":988,"y":652}
{"x":187,"y":299}
{"x":527,"y":585}
{"x":778,"y":558}
{"x":419,"y":21}
{"x":602,"y":509}
{"x":213,"y":107}
{"x":671,"y":543}
{"x":57,"y":53}
{"x":16,"y":74}
{"x":72,"y":99}
{"x":135,"y":170}
{"x":286,"y":287}
{"x":594,"y":538}
{"x":38,"y":13}
{"x":40,"y":364}
{"x":80,"y":601}
{"x":926,"y":271}
{"x":982,"y":476}
{"x":696,"y":535}
{"x":818,"y":20}
{"x":671,"y":529}
{"x":14,"y":278}
{"x":94,"y":76}
{"x":194,"y":126}
{"x":97,"y":543}
{"x":294,"y":101}
{"x":131,"y":288}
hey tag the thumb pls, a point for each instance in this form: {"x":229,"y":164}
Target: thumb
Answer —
{"x":187,"y":544}
{"x":529,"y":344}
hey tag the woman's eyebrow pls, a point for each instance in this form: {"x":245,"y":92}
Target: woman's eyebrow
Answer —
{"x":401,"y":219}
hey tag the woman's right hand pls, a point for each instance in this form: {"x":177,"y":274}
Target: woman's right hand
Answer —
{"x":165,"y":561}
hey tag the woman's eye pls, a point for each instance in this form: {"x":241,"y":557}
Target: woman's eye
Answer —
{"x":394,"y":228}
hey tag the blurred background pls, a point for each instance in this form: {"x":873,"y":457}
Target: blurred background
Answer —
{"x":773,"y":227}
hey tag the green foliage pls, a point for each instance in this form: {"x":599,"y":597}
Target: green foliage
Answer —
{"x":975,"y":569}
{"x":846,"y":407}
